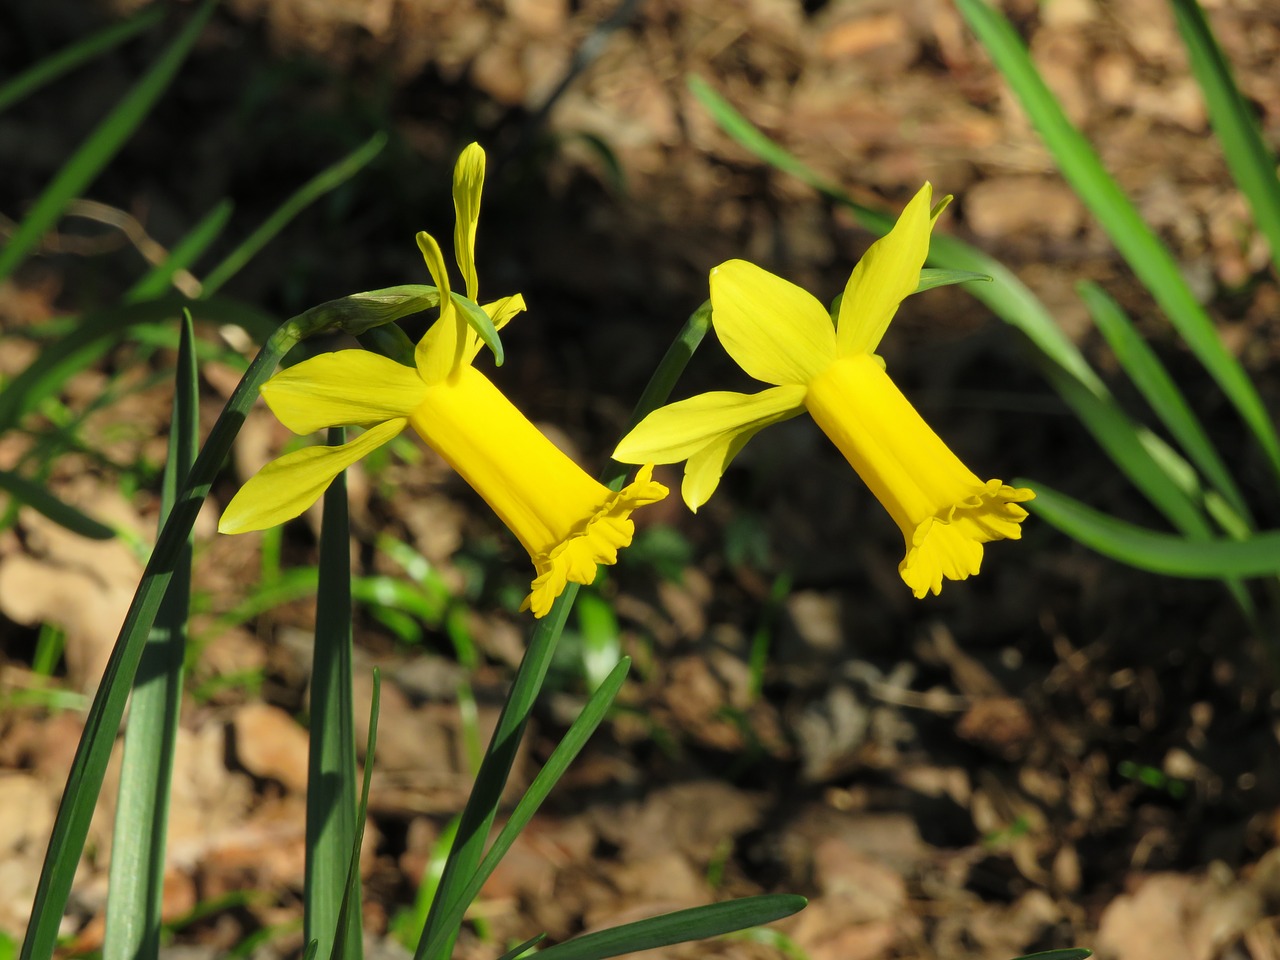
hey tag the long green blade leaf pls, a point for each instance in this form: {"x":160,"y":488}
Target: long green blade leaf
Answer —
{"x":136,"y":887}
{"x":331,"y":771}
{"x":94,"y":334}
{"x":351,"y":904}
{"x":82,"y":51}
{"x":101,"y":145}
{"x":1161,"y":393}
{"x":186,"y":252}
{"x":697,"y":923}
{"x":575,"y":739}
{"x":1142,"y":250}
{"x":1165,"y":553}
{"x":1251,"y":161}
{"x":311,"y":191}
{"x":41,"y":500}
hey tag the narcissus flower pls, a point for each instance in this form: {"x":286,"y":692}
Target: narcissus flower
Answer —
{"x":567,"y":521}
{"x":780,"y":334}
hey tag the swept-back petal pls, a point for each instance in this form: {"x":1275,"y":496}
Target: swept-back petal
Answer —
{"x":347,"y":388}
{"x":682,"y":429}
{"x":887,"y":273}
{"x":287,"y":486}
{"x":468,"y":182}
{"x":703,"y":470}
{"x":501,"y":313}
{"x":440,"y":351}
{"x":774,"y":330}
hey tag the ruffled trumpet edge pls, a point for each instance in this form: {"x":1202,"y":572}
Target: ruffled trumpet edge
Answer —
{"x":594,"y":542}
{"x":948,"y":545}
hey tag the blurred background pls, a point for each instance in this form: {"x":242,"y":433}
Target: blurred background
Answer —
{"x":1061,"y":751}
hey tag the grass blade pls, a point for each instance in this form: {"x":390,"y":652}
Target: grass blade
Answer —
{"x":597,"y":706}
{"x":482,"y":805}
{"x":94,"y":334}
{"x":38,"y":498}
{"x":1161,"y":393}
{"x":303,"y":197}
{"x":101,"y":145}
{"x":1252,"y":164}
{"x":186,"y":252}
{"x":136,"y":886}
{"x":350,"y":898}
{"x":1164,"y":553}
{"x":1147,"y":257}
{"x":697,"y":923}
{"x":331,"y":771}
{"x":82,"y":51}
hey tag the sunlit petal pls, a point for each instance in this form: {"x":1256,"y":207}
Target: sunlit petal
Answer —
{"x":887,"y":273}
{"x":347,"y":388}
{"x":468,"y":183}
{"x":287,"y":486}
{"x":776,"y":331}
{"x":682,"y":429}
{"x":501,"y":313}
{"x":440,"y":352}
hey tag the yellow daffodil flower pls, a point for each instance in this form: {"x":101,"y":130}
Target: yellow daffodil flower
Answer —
{"x":781,"y":335}
{"x":567,"y":521}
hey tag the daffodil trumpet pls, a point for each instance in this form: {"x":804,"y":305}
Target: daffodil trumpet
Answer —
{"x":568,"y":522}
{"x":782,"y":335}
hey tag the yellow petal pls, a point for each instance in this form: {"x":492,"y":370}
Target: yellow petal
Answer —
{"x":774,"y":330}
{"x":708,"y":430}
{"x":440,"y":352}
{"x":468,"y":182}
{"x":680,"y":430}
{"x":286,"y":487}
{"x":704,"y":469}
{"x":501,"y":313}
{"x":347,"y":388}
{"x":887,"y":273}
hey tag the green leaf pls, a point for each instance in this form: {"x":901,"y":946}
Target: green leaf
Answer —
{"x":1070,"y":953}
{"x":351,"y":904}
{"x":157,"y":281}
{"x":1158,"y":388}
{"x":1250,"y":160}
{"x":38,"y":498}
{"x":480,"y":322}
{"x":595,"y":710}
{"x":311,"y":191}
{"x":521,"y":949}
{"x":136,"y":883}
{"x":93,"y":335}
{"x":331,"y":764}
{"x":101,"y":145}
{"x":64,"y":61}
{"x":1165,"y":553}
{"x":697,"y":923}
{"x":930,"y":278}
{"x":1141,"y":249}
